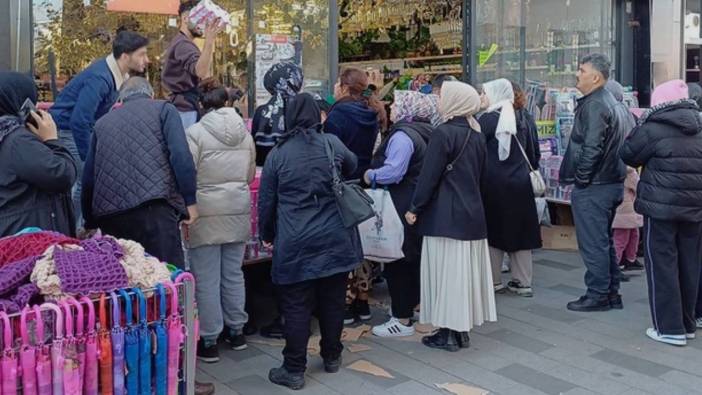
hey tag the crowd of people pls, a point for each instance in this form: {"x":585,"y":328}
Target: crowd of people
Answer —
{"x":174,"y":175}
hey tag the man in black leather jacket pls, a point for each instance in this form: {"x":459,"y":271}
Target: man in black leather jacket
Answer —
{"x":592,"y":163}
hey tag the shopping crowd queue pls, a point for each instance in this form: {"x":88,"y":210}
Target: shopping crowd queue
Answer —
{"x":457,"y":164}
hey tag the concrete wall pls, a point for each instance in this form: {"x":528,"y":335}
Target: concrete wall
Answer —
{"x":16,"y":44}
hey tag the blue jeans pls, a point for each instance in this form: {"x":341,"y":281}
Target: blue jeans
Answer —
{"x":66,"y":139}
{"x":594,"y":208}
{"x":219,"y":288}
{"x":189,"y":118}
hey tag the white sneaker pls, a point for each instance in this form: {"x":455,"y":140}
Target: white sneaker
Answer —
{"x":393,"y":328}
{"x":699,"y":323}
{"x":691,"y":336}
{"x":674,"y":340}
{"x":500,"y":288}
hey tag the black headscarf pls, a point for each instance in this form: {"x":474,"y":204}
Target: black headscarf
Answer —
{"x":15,"y":88}
{"x":302,"y":113}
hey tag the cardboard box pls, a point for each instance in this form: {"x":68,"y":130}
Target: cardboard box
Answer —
{"x":559,"y":238}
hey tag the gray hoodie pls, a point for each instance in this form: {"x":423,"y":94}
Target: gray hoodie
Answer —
{"x":225,"y":158}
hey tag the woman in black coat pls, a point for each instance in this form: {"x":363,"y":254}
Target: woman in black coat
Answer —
{"x":510,"y":208}
{"x":36,"y":171}
{"x":312,"y":250}
{"x":456,"y":282}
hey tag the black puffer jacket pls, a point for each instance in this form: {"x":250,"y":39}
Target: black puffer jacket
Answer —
{"x":668,"y":144}
{"x":592,"y":157}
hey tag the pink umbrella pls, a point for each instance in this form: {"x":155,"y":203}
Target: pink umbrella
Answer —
{"x":80,"y":337}
{"x":90,"y":380}
{"x":71,"y":364}
{"x":57,"y":357}
{"x":9,"y":359}
{"x":28,"y":353}
{"x":176,"y":337}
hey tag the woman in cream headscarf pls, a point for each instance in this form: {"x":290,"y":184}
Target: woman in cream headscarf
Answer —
{"x":510,"y":208}
{"x":456,"y":283}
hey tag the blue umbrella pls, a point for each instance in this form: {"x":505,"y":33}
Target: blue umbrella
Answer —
{"x":161,"y":335}
{"x":144,"y":346}
{"x":131,"y":347}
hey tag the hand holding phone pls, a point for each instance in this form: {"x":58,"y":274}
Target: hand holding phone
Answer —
{"x":25,"y":113}
{"x":45,"y":126}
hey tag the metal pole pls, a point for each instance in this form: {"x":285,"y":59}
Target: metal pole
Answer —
{"x":522,"y":44}
{"x":251,"y":69}
{"x":333,"y":45}
{"x":18,"y":35}
{"x":191,"y":343}
{"x":465,"y":75}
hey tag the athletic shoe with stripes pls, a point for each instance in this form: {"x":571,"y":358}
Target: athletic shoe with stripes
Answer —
{"x":674,"y":340}
{"x":699,"y":323}
{"x":393,"y":328}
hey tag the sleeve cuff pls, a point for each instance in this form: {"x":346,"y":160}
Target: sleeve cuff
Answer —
{"x":190,"y":200}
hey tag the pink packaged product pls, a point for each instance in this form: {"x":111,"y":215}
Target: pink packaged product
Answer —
{"x":206,"y":12}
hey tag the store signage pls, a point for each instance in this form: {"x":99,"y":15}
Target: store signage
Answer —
{"x":167,"y":7}
{"x":484,"y":56}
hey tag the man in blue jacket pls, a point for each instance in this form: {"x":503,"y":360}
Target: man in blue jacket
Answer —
{"x":92,"y":93}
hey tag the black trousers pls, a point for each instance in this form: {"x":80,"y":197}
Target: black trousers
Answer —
{"x":297,"y":301}
{"x":403,"y":279}
{"x":673,"y":265}
{"x":154,"y":225}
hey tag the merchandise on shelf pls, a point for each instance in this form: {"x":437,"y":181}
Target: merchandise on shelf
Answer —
{"x":254,"y":247}
{"x":550,"y":169}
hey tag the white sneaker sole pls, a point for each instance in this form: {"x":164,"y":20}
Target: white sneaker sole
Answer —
{"x":386,"y":334}
{"x":691,"y":336}
{"x":527,"y":293}
{"x":679,"y":342}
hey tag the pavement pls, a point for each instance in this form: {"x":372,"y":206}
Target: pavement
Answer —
{"x":535,"y":347}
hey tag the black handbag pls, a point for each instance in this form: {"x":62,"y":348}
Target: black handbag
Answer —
{"x":354,"y":204}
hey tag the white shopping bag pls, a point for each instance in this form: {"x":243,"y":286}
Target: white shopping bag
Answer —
{"x":382,"y":236}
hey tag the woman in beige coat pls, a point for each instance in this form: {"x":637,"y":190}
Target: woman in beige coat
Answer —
{"x":225,"y":158}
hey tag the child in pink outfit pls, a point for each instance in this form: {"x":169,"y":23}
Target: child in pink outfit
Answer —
{"x":626,"y":225}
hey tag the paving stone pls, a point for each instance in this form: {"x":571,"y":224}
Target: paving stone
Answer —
{"x":554,"y":314}
{"x":256,"y":385}
{"x":555,"y":264}
{"x":568,"y":290}
{"x":632,"y":363}
{"x":691,"y":382}
{"x":520,"y":341}
{"x":535,"y":379}
{"x":415,"y":388}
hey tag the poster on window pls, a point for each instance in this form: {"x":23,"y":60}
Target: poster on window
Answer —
{"x":272,"y":49}
{"x":167,"y":7}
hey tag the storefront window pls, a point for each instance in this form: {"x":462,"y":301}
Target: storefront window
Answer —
{"x":402,"y":44}
{"x":498,"y":39}
{"x":292,"y":30}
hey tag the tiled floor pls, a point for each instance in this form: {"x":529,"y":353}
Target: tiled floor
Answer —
{"x":536,"y":347}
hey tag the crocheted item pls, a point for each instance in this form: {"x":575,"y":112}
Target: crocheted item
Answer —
{"x":143,"y":271}
{"x":15,"y":248}
{"x":15,"y":274}
{"x":25,"y":294}
{"x":83,"y":268}
{"x":94,"y":268}
{"x":8,"y":306}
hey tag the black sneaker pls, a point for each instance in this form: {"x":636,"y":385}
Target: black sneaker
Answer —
{"x":207,"y":353}
{"x":363,"y":310}
{"x":632,"y":266}
{"x":615,"y":301}
{"x":274,"y":330}
{"x":350,"y":314}
{"x":587,"y":304}
{"x":237,"y":342}
{"x":519,"y":289}
{"x":332,"y":365}
{"x":280,"y":376}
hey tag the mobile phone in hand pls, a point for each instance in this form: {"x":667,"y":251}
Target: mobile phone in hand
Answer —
{"x":25,"y":113}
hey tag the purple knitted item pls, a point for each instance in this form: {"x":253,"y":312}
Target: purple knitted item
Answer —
{"x":15,"y":274}
{"x":94,"y":269}
{"x":25,"y":294}
{"x":9,"y":306}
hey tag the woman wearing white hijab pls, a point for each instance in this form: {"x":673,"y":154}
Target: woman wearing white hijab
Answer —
{"x":456,"y":281}
{"x":510,"y":208}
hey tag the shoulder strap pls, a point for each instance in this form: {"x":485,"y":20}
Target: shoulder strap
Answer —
{"x":450,"y":166}
{"x":526,"y":158}
{"x":330,"y":156}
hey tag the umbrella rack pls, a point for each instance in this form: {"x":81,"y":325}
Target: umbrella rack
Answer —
{"x":54,"y":329}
